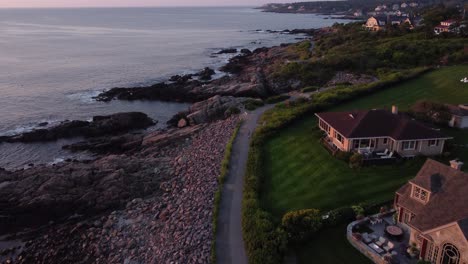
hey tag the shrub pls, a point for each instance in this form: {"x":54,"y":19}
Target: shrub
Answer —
{"x":252,"y":104}
{"x":339,"y":216}
{"x":343,"y":155}
{"x":301,"y":225}
{"x":355,"y":161}
{"x":277,"y":99}
{"x":431,"y":111}
{"x":359,"y":211}
{"x":232,"y":111}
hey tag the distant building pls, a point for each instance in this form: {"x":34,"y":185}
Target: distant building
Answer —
{"x":459,"y":116}
{"x":404,"y":5}
{"x":446,"y":26}
{"x":414,"y":4}
{"x":396,"y":7}
{"x":376,"y":23}
{"x":433,"y":207}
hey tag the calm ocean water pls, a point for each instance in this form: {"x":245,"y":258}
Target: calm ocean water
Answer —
{"x":52,"y":61}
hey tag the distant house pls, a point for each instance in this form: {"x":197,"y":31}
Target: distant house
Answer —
{"x":404,"y":5}
{"x":376,"y":23}
{"x":459,"y":116}
{"x":446,"y":26}
{"x":434,"y":208}
{"x":395,"y":7}
{"x":373,"y":131}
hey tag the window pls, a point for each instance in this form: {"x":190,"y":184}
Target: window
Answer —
{"x":407,"y":216}
{"x":385,"y":141}
{"x":324,"y":126}
{"x":356,"y":143}
{"x":420,"y":194}
{"x":433,"y":143}
{"x":432,"y":253}
{"x":365,"y":143}
{"x":339,"y":137}
{"x":450,"y":255}
{"x":409,"y":145}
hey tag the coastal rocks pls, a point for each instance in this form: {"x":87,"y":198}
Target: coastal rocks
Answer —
{"x":227,"y":51}
{"x":251,"y":74}
{"x":99,"y":126}
{"x":182,"y":123}
{"x":205,"y":74}
{"x":77,"y":187}
{"x":108,"y":145}
{"x":174,"y":225}
{"x":180,"y":91}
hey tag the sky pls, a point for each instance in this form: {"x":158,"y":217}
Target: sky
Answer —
{"x":123,"y":3}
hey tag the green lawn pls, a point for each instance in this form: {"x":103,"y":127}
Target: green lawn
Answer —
{"x":331,"y":246}
{"x":302,"y":174}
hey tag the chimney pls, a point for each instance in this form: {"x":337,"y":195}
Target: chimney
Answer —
{"x":394,"y":109}
{"x":456,"y":164}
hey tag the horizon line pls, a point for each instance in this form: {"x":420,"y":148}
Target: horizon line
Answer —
{"x":145,"y":6}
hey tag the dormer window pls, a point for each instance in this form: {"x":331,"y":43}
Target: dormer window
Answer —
{"x":420,"y":194}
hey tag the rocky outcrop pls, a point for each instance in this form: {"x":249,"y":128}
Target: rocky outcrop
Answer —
{"x":171,"y":225}
{"x":99,"y":126}
{"x":227,"y":51}
{"x":252,"y":74}
{"x":78,"y":187}
{"x":215,"y":108}
{"x":107,"y":145}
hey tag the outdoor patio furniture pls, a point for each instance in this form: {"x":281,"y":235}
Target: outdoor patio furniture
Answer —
{"x":376,"y":248}
{"x":389,"y":247}
{"x":388,"y":156}
{"x":381,"y":242}
{"x":394,"y":231}
{"x":385,"y":153}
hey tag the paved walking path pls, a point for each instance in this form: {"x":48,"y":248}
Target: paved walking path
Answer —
{"x":229,"y":241}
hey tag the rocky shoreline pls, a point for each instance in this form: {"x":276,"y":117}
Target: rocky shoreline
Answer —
{"x":163,"y":191}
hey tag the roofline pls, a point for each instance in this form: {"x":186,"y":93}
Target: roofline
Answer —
{"x":401,"y":139}
{"x":317,"y":115}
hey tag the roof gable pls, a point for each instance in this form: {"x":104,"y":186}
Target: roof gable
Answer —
{"x":448,"y":200}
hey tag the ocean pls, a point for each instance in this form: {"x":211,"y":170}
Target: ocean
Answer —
{"x":53,"y":61}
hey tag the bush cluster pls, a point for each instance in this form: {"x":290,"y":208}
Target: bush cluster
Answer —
{"x":252,"y":104}
{"x":277,"y":99}
{"x":301,"y":225}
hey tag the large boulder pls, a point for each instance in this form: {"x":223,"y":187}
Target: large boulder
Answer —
{"x":214,"y":108}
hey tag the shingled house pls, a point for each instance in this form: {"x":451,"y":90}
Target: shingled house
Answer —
{"x":380,"y":131}
{"x":434,"y":208}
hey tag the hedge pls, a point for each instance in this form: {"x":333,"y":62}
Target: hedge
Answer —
{"x":219,"y":192}
{"x":265,"y":240}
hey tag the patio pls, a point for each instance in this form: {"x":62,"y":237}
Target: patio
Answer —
{"x":378,"y":158}
{"x":370,"y":236}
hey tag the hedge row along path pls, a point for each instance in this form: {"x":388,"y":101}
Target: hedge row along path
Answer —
{"x":229,"y":242}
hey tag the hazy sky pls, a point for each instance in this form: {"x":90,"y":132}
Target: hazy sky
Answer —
{"x":78,"y":3}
